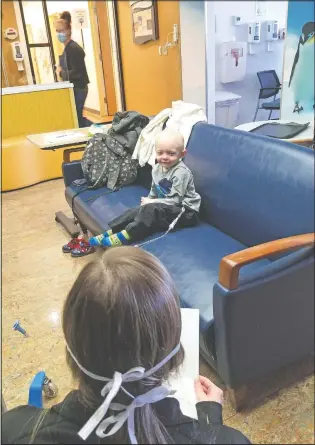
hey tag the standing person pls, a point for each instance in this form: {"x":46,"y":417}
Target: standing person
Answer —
{"x":122,"y":329}
{"x":172,"y":195}
{"x":72,"y":66}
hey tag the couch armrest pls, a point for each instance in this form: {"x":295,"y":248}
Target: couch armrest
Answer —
{"x":230,"y":265}
{"x":72,"y":171}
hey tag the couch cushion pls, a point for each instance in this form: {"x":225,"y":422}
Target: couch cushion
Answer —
{"x":254,"y":188}
{"x":192,"y":256}
{"x":95,"y":208}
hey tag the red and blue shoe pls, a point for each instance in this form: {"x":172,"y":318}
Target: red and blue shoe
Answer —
{"x":74,"y":243}
{"x":84,"y":249}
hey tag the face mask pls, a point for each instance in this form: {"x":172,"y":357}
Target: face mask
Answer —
{"x":100,"y":422}
{"x":62,"y":37}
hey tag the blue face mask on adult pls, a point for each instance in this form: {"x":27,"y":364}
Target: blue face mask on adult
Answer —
{"x":62,"y":37}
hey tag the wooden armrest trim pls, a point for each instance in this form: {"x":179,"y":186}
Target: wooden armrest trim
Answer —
{"x":231,"y":264}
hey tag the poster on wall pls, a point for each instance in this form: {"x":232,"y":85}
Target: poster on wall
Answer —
{"x":297,"y":102}
{"x":144,"y":21}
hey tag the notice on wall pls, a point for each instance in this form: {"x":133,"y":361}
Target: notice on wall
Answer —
{"x":80,"y":18}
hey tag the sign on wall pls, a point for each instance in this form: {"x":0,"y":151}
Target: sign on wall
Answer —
{"x":297,"y":101}
{"x":80,"y":18}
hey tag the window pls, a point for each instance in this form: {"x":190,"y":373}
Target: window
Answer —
{"x":38,"y":41}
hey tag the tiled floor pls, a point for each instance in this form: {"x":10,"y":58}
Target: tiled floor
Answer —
{"x":36,"y":277}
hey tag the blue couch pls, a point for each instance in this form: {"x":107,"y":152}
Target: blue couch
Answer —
{"x":249,"y":266}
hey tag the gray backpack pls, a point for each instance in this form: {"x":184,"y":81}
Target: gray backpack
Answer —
{"x":106,"y":162}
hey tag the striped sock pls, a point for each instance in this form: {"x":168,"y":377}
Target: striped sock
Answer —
{"x":117,"y":239}
{"x":99,"y":239}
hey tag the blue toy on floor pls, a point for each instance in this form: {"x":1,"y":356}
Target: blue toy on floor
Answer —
{"x":39,"y":384}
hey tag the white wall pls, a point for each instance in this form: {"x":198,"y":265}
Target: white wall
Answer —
{"x":193,"y":41}
{"x":210,"y":60}
{"x":261,"y":60}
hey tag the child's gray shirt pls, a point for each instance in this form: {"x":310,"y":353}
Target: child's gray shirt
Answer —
{"x":174,"y":186}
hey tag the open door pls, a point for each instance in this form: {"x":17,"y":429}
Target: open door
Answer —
{"x":150,"y":81}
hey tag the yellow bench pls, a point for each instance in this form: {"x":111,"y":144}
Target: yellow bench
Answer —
{"x":31,"y":110}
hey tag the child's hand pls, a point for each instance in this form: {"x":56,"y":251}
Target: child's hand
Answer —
{"x":206,"y":391}
{"x":145,"y":201}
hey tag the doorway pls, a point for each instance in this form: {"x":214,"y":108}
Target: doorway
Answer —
{"x":44,"y":49}
{"x":82,"y":34}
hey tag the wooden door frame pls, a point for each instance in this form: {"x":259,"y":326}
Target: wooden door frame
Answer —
{"x":106,"y":57}
{"x":120,"y":67}
{"x":103,"y":100}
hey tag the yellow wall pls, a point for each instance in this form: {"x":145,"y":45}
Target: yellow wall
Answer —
{"x":23,"y":163}
{"x":151,"y":81}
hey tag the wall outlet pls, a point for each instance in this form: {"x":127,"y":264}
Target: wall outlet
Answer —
{"x":237,"y":20}
{"x":163,"y":50}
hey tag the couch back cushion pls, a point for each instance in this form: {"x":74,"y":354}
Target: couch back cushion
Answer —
{"x":254,"y":188}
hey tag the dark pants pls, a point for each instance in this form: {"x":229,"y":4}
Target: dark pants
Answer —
{"x":145,"y":220}
{"x":80,"y":97}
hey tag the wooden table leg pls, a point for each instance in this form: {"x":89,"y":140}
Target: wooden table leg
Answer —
{"x":68,"y":151}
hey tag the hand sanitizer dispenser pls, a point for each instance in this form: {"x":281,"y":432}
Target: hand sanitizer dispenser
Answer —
{"x":232,"y":56}
{"x":253,"y":35}
{"x":17,"y":55}
{"x":272,"y":33}
{"x":272,"y":30}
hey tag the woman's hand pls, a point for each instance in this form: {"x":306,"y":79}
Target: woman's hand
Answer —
{"x":58,"y":69}
{"x":206,"y":391}
{"x":145,"y":200}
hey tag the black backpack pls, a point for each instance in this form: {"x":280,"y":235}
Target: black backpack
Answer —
{"x":106,"y":162}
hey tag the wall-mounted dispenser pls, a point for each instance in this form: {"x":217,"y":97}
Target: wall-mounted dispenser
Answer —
{"x":232,"y":59}
{"x":272,"y":33}
{"x":17,"y":55}
{"x":253,"y":35}
{"x":272,"y":30}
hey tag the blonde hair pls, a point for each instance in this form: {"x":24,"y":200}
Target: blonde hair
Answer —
{"x":172,"y":137}
{"x":123,"y":311}
{"x":65,"y":19}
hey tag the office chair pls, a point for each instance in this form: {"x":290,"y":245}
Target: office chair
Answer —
{"x":270,"y":87}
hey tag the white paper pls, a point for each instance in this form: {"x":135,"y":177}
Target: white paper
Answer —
{"x":184,"y":383}
{"x":64,"y":137}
